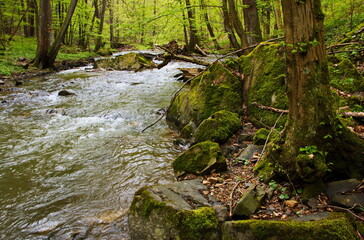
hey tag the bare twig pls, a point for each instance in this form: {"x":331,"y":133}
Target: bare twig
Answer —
{"x":272,"y":109}
{"x":267,"y":140}
{"x":231,"y":199}
{"x":346,"y":210}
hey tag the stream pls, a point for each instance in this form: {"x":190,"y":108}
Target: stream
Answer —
{"x":69,"y":165}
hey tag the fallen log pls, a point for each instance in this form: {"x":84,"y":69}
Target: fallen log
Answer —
{"x":185,"y":58}
{"x":358,"y":115}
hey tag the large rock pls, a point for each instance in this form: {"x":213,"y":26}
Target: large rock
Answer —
{"x":129,"y":62}
{"x":201,"y":158}
{"x":173,"y":211}
{"x":334,"y":226}
{"x":264,"y":72}
{"x":219,"y":127}
{"x":214,"y":90}
{"x":342,"y":193}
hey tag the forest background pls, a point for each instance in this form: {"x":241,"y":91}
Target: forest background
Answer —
{"x":101,"y":26}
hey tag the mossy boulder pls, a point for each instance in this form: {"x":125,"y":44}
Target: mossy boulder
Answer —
{"x":214,"y":90}
{"x":333,"y":226}
{"x":201,"y":158}
{"x":129,"y":62}
{"x":173,"y":211}
{"x":264,"y":72}
{"x":219,"y":127}
{"x":346,"y":77}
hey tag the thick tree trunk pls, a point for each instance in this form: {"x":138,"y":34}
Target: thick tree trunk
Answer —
{"x":50,"y":56}
{"x":251,"y":22}
{"x":227,"y":26}
{"x":313,"y":137}
{"x":44,"y":32}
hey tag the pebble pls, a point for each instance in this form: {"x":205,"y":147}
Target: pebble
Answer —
{"x":2,"y":82}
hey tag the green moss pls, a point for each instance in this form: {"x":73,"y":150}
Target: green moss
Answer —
{"x":265,"y":83}
{"x":144,"y":203}
{"x":188,"y":130}
{"x":130,"y":61}
{"x":334,"y":228}
{"x":264,"y":170}
{"x":262,"y":134}
{"x":219,"y":127}
{"x":311,"y":166}
{"x":313,"y":189}
{"x":198,"y":224}
{"x":216,"y":89}
{"x":346,"y":77}
{"x":201,"y":158}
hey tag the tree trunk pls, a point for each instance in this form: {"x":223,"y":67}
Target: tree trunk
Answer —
{"x":44,"y":32}
{"x":313,"y":138}
{"x":238,"y":26}
{"x":51,"y":55}
{"x":227,"y":26}
{"x":251,"y":21}
{"x":99,"y":43}
{"x":193,"y":30}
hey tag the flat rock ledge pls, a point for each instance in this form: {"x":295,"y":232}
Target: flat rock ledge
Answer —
{"x":184,"y":211}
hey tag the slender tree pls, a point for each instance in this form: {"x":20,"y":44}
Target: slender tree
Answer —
{"x":192,"y":27}
{"x":313,"y":137}
{"x":208,"y":24}
{"x":236,"y":22}
{"x":98,"y":43}
{"x":228,"y":26}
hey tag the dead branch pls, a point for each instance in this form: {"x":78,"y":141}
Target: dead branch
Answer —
{"x":272,"y":109}
{"x":359,"y":115}
{"x":341,"y":45}
{"x":185,"y":58}
{"x":347,"y":210}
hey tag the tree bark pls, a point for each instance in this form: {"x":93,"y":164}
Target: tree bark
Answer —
{"x":251,"y":21}
{"x":50,"y":56}
{"x":227,"y":26}
{"x":313,"y":138}
{"x":208,"y":24}
{"x":192,"y":24}
{"x":238,"y":26}
{"x":44,"y":32}
{"x":99,"y":44}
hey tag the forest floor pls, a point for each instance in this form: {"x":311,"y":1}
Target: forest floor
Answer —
{"x":284,"y":200}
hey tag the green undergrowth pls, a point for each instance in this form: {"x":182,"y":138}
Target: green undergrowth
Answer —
{"x":21,"y":48}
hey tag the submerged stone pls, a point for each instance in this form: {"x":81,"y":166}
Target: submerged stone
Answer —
{"x":173,"y":211}
{"x":219,"y":127}
{"x":201,"y":158}
{"x":214,"y":90}
{"x":334,"y":226}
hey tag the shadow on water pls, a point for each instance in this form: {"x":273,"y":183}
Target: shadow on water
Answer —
{"x":69,"y":166}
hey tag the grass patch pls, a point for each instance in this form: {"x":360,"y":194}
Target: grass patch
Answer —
{"x":21,"y":47}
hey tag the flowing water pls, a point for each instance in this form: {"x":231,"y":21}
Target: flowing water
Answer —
{"x":69,"y":165}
